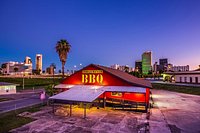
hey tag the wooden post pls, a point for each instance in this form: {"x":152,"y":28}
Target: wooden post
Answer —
{"x":84,"y":110}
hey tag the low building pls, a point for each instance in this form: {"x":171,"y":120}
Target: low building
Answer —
{"x":50,"y":70}
{"x":16,"y":68}
{"x":192,"y":77}
{"x":124,"y":68}
{"x":7,"y":88}
{"x":180,"y":68}
{"x":103,"y":86}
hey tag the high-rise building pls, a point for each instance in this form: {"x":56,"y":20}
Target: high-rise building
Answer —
{"x":38,"y":62}
{"x":163,"y":62}
{"x":155,"y":68}
{"x":138,"y":66}
{"x":146,"y":62}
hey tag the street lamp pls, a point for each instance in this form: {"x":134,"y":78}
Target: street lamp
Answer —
{"x":74,"y":68}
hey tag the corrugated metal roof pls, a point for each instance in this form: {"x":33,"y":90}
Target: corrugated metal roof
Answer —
{"x":79,"y":93}
{"x":126,"y":77}
{"x":88,"y":93}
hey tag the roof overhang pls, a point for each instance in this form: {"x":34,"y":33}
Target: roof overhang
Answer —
{"x":88,"y":93}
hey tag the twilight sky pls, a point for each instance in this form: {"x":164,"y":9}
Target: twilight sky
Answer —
{"x":101,"y":31}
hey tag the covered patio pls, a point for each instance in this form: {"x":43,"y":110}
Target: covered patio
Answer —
{"x":85,"y":94}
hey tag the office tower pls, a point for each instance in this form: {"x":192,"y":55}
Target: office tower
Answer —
{"x":138,"y":66}
{"x":146,"y":62}
{"x":163,"y":62}
{"x":38,"y":62}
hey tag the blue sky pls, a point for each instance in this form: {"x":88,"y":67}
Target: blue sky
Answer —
{"x":101,"y":31}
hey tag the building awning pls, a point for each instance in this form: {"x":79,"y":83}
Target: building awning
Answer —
{"x":88,"y":93}
{"x":79,"y":93}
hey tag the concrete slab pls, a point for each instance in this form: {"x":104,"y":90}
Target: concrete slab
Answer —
{"x":180,"y":112}
{"x":97,"y":121}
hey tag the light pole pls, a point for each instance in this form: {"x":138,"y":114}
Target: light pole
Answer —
{"x":74,"y":68}
{"x":81,"y":65}
{"x":23,"y":80}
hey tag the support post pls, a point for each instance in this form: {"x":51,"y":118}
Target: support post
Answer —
{"x":145,"y":102}
{"x":104,"y":100}
{"x":53,"y":107}
{"x":70,"y":110}
{"x":84,"y":110}
{"x":98,"y":103}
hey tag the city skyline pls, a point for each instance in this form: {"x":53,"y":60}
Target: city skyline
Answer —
{"x":101,"y":32}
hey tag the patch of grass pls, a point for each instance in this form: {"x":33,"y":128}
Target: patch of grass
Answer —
{"x":34,"y":109}
{"x":12,"y":121}
{"x":177,"y":88}
{"x":30,"y":82}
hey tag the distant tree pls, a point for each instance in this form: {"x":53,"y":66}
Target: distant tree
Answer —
{"x":62,"y":48}
{"x":59,"y":71}
{"x":16,"y":69}
{"x":36,"y":72}
{"x":136,"y":74}
{"x":50,"y":90}
{"x":54,"y":67}
{"x":126,"y":69}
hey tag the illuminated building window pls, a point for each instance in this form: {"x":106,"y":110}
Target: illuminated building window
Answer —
{"x":117,"y":94}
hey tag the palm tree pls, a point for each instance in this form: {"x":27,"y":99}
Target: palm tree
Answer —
{"x":62,"y":48}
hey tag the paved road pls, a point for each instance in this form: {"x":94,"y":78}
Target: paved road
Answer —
{"x":21,"y":100}
{"x":181,"y":84}
{"x":175,"y":112}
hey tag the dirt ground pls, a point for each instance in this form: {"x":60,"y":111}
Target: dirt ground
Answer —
{"x":97,"y":121}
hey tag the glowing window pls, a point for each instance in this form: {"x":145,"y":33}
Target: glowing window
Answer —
{"x":117,"y":94}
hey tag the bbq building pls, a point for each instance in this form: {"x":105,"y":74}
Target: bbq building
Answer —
{"x":103,"y":87}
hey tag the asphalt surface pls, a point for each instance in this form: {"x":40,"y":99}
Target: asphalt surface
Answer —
{"x":21,"y":100}
{"x":181,"y":84}
{"x":175,"y":112}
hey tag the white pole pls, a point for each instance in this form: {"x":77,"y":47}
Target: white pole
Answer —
{"x":23,"y":82}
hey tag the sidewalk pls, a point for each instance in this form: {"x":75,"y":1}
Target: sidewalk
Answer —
{"x":157,"y":122}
